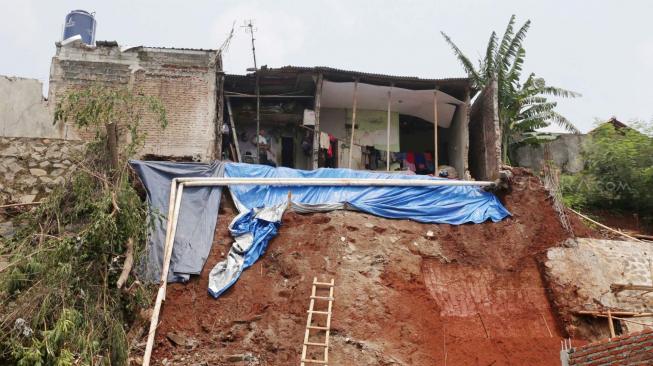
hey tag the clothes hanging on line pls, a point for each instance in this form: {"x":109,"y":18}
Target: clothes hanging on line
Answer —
{"x":324,"y":140}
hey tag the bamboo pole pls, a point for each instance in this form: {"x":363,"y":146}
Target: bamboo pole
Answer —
{"x":610,"y":324}
{"x":353,"y":121}
{"x":329,"y":182}
{"x":234,"y":136}
{"x":21,"y":204}
{"x":435,"y":131}
{"x":387,"y":145}
{"x":603,"y":226}
{"x":173,"y":215}
{"x":617,"y":313}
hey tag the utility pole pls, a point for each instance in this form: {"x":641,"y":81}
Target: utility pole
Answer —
{"x":250,"y":29}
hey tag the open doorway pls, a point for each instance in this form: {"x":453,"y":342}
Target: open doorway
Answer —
{"x":287,"y":152}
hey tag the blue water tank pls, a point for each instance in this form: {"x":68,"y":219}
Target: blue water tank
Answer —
{"x":82,"y":23}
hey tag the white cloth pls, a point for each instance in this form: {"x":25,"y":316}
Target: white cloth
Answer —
{"x":324,"y":140}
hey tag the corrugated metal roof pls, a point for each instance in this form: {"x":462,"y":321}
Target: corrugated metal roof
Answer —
{"x":326,"y":69}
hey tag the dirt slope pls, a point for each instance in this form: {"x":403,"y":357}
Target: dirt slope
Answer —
{"x":406,"y":293}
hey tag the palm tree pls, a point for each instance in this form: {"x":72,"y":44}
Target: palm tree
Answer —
{"x":523,"y":107}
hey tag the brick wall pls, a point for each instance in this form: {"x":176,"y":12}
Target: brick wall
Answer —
{"x":184,"y":80}
{"x":630,"y":349}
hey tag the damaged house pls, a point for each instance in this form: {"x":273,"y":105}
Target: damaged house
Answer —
{"x":325,"y":117}
{"x":309,"y":117}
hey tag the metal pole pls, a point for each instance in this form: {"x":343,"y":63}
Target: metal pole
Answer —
{"x":353,"y":121}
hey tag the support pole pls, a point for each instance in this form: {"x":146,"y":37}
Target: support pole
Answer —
{"x":610,"y":324}
{"x":316,"y":128}
{"x":435,"y":131}
{"x":353,"y":121}
{"x":171,"y":229}
{"x":234,"y":136}
{"x":387,"y":142}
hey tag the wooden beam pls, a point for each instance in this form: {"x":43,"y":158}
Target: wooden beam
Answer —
{"x":611,"y":324}
{"x":616,"y":313}
{"x":353,"y":121}
{"x":316,"y":128}
{"x":618,"y":287}
{"x":603,"y":226}
{"x":387,"y":143}
{"x":234,"y":136}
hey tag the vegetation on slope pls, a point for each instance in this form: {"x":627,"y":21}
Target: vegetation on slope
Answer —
{"x":59,"y":303}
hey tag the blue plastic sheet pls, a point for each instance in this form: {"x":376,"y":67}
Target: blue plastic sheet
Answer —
{"x":453,"y":205}
{"x":262,"y":207}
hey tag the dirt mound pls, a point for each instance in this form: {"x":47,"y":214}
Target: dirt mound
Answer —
{"x":406,"y":293}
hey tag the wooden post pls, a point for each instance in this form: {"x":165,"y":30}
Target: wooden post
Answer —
{"x":173,"y":214}
{"x":233,"y":130}
{"x":316,"y":128}
{"x":353,"y":121}
{"x":435,"y":131}
{"x":387,"y":143}
{"x":610,"y":324}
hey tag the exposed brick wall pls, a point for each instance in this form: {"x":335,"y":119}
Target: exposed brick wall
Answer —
{"x":184,"y":80}
{"x":630,"y":349}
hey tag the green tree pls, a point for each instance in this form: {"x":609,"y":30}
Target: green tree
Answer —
{"x":523,"y":106}
{"x":618,"y":172}
{"x":101,"y":106}
{"x":63,"y":299}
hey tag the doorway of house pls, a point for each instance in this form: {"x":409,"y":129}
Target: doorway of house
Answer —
{"x":287,"y":152}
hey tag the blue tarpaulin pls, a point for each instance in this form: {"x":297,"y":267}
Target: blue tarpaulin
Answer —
{"x":261,"y":208}
{"x":453,"y":205}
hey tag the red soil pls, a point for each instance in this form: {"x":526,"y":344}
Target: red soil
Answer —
{"x":459,"y":295}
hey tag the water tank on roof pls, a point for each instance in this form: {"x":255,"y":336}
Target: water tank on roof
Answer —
{"x":82,"y":23}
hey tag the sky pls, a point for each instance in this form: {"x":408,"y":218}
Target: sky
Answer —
{"x":601,"y":49}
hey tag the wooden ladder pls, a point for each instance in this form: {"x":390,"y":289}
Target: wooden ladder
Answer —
{"x":309,"y":321}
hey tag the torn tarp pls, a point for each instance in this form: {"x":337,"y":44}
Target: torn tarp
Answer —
{"x":199,"y":212}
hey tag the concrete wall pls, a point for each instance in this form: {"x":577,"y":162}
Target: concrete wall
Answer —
{"x":457,"y":136}
{"x":185,"y":81}
{"x":485,"y":135}
{"x":25,"y":113}
{"x":31,"y":167}
{"x":565,"y":153}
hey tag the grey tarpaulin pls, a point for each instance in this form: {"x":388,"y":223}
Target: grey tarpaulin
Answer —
{"x":197,"y":218}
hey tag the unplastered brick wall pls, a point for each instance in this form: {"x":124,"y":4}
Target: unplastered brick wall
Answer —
{"x":630,"y":349}
{"x":31,"y":167}
{"x":184,"y":80}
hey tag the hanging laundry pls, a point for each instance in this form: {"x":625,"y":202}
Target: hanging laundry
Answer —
{"x":324,"y":140}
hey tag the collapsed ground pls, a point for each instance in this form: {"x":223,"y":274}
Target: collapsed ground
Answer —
{"x":406,"y":293}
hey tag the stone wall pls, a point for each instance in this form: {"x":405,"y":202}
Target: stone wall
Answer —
{"x":580,"y":275}
{"x":30,"y":168}
{"x":184,"y":80}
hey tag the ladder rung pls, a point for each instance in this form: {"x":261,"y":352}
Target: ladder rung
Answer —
{"x":314,"y":361}
{"x":318,"y":312}
{"x":317,"y":327}
{"x":316,"y":344}
{"x":323,"y":298}
{"x":327,"y":284}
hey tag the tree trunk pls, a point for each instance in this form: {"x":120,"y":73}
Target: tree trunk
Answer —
{"x":112,"y":144}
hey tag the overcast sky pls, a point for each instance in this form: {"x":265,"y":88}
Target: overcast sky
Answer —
{"x":602,"y":49}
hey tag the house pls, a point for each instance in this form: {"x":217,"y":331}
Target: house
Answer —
{"x":324,"y":117}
